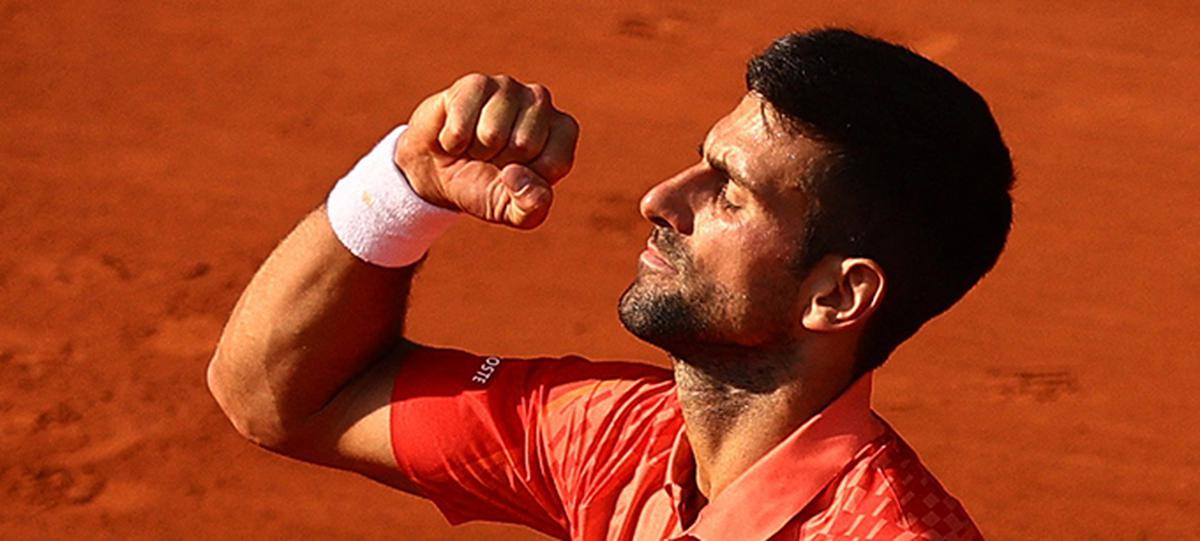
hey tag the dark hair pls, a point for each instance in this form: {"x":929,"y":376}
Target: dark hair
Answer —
{"x":915,"y":177}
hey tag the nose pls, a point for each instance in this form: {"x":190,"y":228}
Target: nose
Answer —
{"x":670,"y":203}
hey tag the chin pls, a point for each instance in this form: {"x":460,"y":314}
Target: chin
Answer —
{"x":659,"y":317}
{"x":688,"y":321}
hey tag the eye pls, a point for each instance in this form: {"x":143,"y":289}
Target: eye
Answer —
{"x":723,"y":196}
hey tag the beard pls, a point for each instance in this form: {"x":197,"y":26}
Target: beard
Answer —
{"x":692,"y":326}
{"x":664,"y":318}
{"x":712,"y":333}
{"x":677,"y":313}
{"x":691,"y":313}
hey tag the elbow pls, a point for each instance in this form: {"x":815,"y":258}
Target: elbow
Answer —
{"x":246,"y":407}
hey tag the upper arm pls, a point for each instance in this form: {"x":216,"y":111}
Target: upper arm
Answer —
{"x":353,"y":431}
{"x":511,"y":440}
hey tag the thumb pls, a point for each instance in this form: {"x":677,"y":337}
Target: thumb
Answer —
{"x":527,"y":196}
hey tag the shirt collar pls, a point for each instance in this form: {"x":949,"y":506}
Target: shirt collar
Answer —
{"x":781,"y":483}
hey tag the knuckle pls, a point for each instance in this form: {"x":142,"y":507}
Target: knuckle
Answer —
{"x":569,"y":123}
{"x":466,"y":85}
{"x":522,"y":145}
{"x":489,"y":138}
{"x":472,"y":79}
{"x":453,"y":133}
{"x":505,"y":82}
{"x":454,"y":143}
{"x":540,"y":94}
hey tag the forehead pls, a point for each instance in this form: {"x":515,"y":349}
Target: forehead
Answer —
{"x":753,"y":140}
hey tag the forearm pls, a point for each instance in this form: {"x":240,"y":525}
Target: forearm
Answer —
{"x":313,"y":317}
{"x":306,"y":361}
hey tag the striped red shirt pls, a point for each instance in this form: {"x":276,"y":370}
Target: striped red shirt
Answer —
{"x":597,"y":451}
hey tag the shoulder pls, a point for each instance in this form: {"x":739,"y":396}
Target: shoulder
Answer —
{"x":890,"y":494}
{"x":576,"y":367}
{"x":452,"y":368}
{"x":596,"y":396}
{"x":561,"y":409}
{"x":568,"y":390}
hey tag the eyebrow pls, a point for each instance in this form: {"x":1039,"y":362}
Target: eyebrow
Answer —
{"x":721,"y":167}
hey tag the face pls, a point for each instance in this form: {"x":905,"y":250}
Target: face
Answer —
{"x":719,"y":267}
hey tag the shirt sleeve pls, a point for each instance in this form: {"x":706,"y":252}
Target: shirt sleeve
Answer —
{"x":525,"y":441}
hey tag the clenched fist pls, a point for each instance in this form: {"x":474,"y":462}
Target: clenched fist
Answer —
{"x":490,"y":146}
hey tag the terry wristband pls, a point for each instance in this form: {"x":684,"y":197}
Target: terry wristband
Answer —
{"x":378,"y":217}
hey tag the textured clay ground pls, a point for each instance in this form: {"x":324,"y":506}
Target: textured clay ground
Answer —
{"x":152,"y":156}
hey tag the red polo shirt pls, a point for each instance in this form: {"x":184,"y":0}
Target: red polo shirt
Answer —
{"x":597,"y":451}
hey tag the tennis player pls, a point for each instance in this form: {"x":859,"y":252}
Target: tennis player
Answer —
{"x":855,"y":192}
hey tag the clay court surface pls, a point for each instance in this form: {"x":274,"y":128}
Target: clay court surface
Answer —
{"x":152,"y":156}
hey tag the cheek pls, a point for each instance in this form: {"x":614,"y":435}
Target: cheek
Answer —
{"x":741,"y":258}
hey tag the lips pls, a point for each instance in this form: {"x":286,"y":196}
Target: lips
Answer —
{"x":653,"y":258}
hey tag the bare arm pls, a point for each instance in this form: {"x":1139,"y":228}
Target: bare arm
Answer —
{"x":313,"y":318}
{"x":305,"y":362}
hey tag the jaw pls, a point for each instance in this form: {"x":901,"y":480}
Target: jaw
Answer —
{"x":658,"y":314}
{"x":686,"y":321}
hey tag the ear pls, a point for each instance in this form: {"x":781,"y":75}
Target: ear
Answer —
{"x":842,"y":293}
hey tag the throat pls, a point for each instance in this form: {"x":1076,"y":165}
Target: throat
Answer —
{"x":736,"y":410}
{"x":715,"y":404}
{"x":733,"y":412}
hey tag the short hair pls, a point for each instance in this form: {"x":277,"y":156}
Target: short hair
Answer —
{"x":915,"y":175}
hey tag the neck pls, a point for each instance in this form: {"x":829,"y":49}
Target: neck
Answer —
{"x":738,"y":406}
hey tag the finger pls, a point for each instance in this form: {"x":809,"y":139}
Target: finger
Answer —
{"x":558,"y":155}
{"x":463,"y":101}
{"x":427,"y":121}
{"x":530,"y":129}
{"x":528,"y":197}
{"x":497,"y":117}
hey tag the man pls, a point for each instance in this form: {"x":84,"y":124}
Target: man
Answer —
{"x":855,"y":192}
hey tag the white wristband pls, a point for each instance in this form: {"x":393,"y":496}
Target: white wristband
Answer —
{"x":376,"y":214}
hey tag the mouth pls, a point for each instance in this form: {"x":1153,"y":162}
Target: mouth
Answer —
{"x":654,"y":259}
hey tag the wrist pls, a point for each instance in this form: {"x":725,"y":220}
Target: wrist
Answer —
{"x":415,"y":166}
{"x":378,"y":216}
